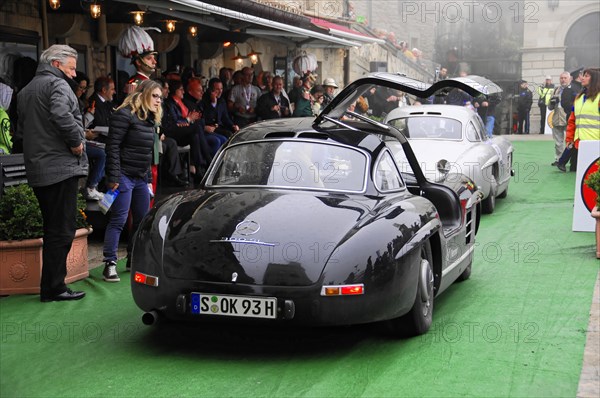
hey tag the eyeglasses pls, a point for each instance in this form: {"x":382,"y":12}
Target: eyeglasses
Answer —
{"x":157,"y":96}
{"x":83,"y":88}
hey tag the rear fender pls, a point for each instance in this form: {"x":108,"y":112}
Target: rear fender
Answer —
{"x":423,"y":234}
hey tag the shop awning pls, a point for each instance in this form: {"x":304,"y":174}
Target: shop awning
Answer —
{"x":345,"y":32}
{"x":271,"y":25}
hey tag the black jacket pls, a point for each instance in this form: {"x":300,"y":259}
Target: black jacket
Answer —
{"x":215,"y":115}
{"x":525,"y":100}
{"x":129,"y":146}
{"x":50,"y":124}
{"x":567,"y":98}
{"x":267,"y":101}
{"x":173,"y":115}
{"x":104,"y":110}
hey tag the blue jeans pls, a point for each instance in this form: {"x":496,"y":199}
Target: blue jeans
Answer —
{"x":489,"y":125}
{"x":215,"y":141}
{"x":97,"y":158}
{"x":134,"y":195}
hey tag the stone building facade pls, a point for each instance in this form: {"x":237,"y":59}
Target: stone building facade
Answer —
{"x":408,"y":20}
{"x":558,"y":38}
{"x":96,"y":41}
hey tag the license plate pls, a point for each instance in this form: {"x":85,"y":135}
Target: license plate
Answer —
{"x":225,"y":305}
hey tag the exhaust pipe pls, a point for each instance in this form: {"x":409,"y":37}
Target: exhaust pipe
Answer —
{"x":150,"y":318}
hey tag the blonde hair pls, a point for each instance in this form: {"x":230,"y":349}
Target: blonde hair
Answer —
{"x":140,"y":101}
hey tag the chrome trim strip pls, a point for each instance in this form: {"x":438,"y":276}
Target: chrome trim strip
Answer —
{"x":457,"y":262}
{"x":237,"y":240}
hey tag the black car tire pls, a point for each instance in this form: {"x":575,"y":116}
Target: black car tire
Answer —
{"x":466,"y":274}
{"x":418,"y":320}
{"x":504,"y":193}
{"x":489,"y":204}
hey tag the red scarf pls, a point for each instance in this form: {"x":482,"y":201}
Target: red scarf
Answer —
{"x":184,"y":109}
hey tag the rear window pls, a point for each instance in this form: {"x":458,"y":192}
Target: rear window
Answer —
{"x":429,"y":127}
{"x":291,"y":164}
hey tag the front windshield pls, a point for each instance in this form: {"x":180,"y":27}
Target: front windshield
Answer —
{"x":415,"y":127}
{"x":292,"y":164}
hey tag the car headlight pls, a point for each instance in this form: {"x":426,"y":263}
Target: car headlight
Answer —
{"x":443,"y":166}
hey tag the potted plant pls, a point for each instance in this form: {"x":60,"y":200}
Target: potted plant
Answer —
{"x":21,"y":242}
{"x":593,"y":182}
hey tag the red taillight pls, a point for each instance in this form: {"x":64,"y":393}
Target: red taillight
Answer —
{"x":144,"y":279}
{"x":343,"y":290}
{"x":463,"y":206}
{"x":139,"y":278}
{"x":355,"y":289}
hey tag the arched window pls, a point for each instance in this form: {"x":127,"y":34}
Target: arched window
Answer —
{"x":582,"y":43}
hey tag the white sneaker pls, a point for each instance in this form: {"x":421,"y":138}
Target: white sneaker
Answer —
{"x":93,"y":194}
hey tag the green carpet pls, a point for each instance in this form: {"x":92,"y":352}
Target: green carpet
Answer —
{"x":516,"y":328}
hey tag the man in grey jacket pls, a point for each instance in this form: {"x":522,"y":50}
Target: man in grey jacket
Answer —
{"x":51,"y":125}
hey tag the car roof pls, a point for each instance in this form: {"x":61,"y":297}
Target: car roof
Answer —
{"x":302,"y":129}
{"x":461,"y":113}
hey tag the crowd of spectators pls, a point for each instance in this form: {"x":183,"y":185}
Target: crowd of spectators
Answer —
{"x":123,"y":133}
{"x":198,"y":114}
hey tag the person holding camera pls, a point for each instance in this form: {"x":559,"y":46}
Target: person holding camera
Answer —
{"x":584,"y":121}
{"x":561,"y":103}
{"x":274,"y":104}
{"x":544,"y":93}
{"x":214,"y":110}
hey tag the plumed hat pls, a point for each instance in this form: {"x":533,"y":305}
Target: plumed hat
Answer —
{"x":135,"y":42}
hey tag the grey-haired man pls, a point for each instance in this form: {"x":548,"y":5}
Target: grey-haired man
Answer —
{"x":51,"y":124}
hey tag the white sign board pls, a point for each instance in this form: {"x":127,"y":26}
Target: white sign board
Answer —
{"x":547,"y":127}
{"x":588,"y":155}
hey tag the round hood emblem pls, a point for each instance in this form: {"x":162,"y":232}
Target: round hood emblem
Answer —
{"x":247,"y":227}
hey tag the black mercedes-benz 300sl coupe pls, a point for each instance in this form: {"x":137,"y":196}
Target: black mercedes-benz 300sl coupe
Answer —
{"x":308,"y":222}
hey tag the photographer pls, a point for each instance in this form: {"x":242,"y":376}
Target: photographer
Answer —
{"x":544,"y":93}
{"x":561,"y":103}
{"x":273,"y":105}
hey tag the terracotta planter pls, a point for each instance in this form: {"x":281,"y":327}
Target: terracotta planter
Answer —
{"x":21,"y":263}
{"x":596,"y":215}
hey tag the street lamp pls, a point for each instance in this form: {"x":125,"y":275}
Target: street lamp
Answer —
{"x":95,"y":10}
{"x":253,"y":55}
{"x":138,"y":17}
{"x":171,"y":25}
{"x":239,"y":57}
